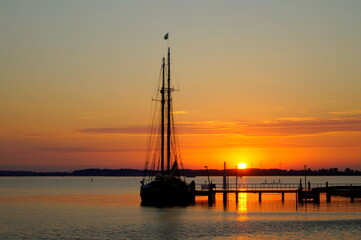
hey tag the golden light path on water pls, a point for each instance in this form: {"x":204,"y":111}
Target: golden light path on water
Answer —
{"x":242,"y":202}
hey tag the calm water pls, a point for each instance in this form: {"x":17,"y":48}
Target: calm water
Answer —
{"x":108,"y":208}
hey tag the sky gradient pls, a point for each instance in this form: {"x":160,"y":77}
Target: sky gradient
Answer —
{"x":275,"y":84}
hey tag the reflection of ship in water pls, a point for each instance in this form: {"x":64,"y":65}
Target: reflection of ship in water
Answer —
{"x":164,"y":186}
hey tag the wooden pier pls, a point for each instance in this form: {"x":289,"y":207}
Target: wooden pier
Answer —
{"x":303,"y":195}
{"x":349,"y":191}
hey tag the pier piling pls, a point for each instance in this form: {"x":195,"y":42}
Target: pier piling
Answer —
{"x":310,"y":194}
{"x":260,"y":197}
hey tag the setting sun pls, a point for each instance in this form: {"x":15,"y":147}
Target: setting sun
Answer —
{"x":242,"y":165}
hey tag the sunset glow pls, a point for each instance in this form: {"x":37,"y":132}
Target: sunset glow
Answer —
{"x":273,"y":83}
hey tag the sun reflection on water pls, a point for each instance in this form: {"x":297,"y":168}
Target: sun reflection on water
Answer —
{"x":242,"y":202}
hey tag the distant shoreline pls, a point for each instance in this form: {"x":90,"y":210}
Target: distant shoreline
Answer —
{"x":187,"y":172}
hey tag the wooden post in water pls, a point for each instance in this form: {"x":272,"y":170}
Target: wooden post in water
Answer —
{"x":316,"y":197}
{"x":260,"y":197}
{"x":224,"y":176}
{"x":211,"y":196}
{"x":352,"y":195}
{"x":300,"y":195}
{"x":283,"y":196}
{"x":305,"y":177}
{"x":328,"y":194}
{"x":225,"y":184}
{"x":236,"y":184}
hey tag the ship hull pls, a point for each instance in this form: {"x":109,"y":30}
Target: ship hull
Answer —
{"x":166,"y":194}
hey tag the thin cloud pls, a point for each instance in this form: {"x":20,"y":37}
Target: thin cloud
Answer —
{"x":84,"y":150}
{"x":33,"y":135}
{"x":180,"y":112}
{"x":300,"y":127}
{"x":65,"y":150}
{"x":296,"y":119}
{"x":356,"y":112}
{"x":277,"y":127}
{"x":236,"y":144}
{"x":117,"y":130}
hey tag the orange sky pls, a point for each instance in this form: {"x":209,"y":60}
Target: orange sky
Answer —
{"x":274,"y":84}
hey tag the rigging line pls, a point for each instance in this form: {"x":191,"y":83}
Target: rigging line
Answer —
{"x":151,"y":129}
{"x":159,"y":83}
{"x":151,"y":120}
{"x":176,"y":88}
{"x":174,"y":74}
{"x":175,"y":139}
{"x":152,"y":136}
{"x":183,"y":172}
{"x":153,"y":165}
{"x":150,"y":149}
{"x":154,"y":149}
{"x":155,"y":135}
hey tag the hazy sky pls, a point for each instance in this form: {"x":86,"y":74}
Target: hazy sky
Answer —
{"x":275,"y":84}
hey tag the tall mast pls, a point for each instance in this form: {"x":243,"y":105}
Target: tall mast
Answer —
{"x":169,"y":115}
{"x":162,"y":117}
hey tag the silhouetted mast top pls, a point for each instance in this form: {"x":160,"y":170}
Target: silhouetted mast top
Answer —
{"x":166,"y":89}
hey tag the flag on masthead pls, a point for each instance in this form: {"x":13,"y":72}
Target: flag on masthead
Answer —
{"x":166,"y":36}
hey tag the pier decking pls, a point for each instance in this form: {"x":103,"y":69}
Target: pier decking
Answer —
{"x":309,"y":194}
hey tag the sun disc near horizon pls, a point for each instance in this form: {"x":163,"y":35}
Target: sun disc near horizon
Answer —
{"x":242,"y":165}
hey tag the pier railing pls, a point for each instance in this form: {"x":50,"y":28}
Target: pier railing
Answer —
{"x":249,"y":186}
{"x":268,"y":186}
{"x":311,"y":192}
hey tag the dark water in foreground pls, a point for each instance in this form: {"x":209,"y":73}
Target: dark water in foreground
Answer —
{"x":108,"y":208}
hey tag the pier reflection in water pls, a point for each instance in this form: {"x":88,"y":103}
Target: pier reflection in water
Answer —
{"x":272,"y":202}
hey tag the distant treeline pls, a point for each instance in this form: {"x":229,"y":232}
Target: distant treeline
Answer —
{"x":190,"y":172}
